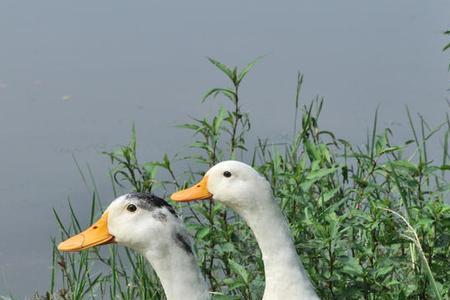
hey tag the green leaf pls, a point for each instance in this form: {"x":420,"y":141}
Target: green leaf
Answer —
{"x":229,"y":93}
{"x":224,"y":69}
{"x":390,"y":149}
{"x":224,"y":297}
{"x":351,"y":266}
{"x":227,"y":248}
{"x":329,"y":194}
{"x":382,"y":271}
{"x":240,"y":270}
{"x":318,"y":174}
{"x":311,"y":149}
{"x":233,"y":284}
{"x":203,"y":233}
{"x":405,"y":165}
{"x":247,"y":69}
{"x":446,"y":47}
{"x":189,"y":126}
{"x":219,"y":119}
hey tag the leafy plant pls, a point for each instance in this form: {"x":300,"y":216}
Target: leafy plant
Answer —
{"x":369,"y":222}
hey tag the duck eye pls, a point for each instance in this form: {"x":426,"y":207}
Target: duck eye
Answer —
{"x":227,"y":174}
{"x":131,"y":208}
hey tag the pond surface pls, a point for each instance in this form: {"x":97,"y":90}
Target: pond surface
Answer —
{"x":75,"y":77}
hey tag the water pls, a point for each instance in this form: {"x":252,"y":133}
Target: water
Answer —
{"x":76,"y":76}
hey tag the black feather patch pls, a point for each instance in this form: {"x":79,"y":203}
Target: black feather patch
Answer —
{"x":150,"y":202}
{"x":160,"y":217}
{"x":181,"y":241}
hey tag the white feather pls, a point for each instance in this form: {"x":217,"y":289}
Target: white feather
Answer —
{"x":250,"y":195}
{"x":155,"y":236}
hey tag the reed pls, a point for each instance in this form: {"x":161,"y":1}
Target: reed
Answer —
{"x":370,"y":222}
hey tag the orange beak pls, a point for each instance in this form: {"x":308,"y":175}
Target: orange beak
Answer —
{"x":198,"y":191}
{"x":95,"y":235}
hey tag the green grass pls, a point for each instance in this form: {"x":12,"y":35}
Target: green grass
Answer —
{"x":369,"y":222}
{"x":447,"y":46}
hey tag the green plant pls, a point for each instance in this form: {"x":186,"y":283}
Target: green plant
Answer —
{"x":446,"y":47}
{"x":369,"y":222}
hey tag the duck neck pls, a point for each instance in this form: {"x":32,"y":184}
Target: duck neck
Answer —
{"x":284,"y":273}
{"x":178,"y":272}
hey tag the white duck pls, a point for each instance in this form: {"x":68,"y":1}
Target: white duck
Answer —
{"x":240,"y":187}
{"x":149,"y":225}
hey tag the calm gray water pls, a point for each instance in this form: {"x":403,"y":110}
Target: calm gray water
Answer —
{"x":75,"y":76}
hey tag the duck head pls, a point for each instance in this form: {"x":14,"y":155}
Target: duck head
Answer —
{"x":232,"y":183}
{"x":137,"y":220}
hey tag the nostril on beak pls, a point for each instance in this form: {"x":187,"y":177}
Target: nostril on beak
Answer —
{"x":95,"y":227}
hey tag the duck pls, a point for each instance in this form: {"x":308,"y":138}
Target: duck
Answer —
{"x":149,"y":225}
{"x":241,"y":188}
